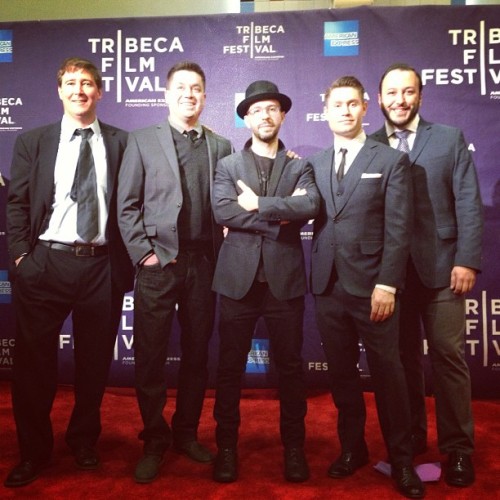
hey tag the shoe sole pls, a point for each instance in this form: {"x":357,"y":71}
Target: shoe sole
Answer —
{"x":18,"y":484}
{"x":193,"y":458}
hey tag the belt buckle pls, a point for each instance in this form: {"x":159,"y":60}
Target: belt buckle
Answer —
{"x":84,"y":251}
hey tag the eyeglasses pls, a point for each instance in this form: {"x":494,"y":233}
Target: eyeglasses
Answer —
{"x":268,"y":110}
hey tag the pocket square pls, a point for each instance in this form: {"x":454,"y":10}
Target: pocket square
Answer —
{"x":371,"y":176}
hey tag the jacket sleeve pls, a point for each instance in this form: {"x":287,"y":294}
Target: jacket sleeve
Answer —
{"x":468,"y":207}
{"x":293,"y":208}
{"x":18,"y":201}
{"x":227,"y":211}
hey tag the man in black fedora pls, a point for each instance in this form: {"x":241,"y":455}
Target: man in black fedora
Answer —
{"x":263,"y":197}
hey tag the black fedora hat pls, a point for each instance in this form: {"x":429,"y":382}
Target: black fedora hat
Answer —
{"x":262,"y":90}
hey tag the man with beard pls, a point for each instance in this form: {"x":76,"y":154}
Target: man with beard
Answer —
{"x":444,"y":258}
{"x":264,"y":198}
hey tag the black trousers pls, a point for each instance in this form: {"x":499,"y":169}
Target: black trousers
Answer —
{"x":49,"y":285}
{"x":187,"y":286}
{"x":343,"y":320}
{"x":284,"y":321}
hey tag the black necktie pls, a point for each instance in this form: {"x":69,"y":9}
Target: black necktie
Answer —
{"x":403,"y":145}
{"x":84,"y":189}
{"x":192,"y":135}
{"x":340,"y":170}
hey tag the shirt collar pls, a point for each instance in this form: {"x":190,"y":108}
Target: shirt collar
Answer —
{"x":412,"y":126}
{"x":355,"y":143}
{"x":68,"y":128}
{"x":181,"y":130}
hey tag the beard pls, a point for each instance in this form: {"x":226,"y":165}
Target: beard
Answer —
{"x":404,"y":121}
{"x":268,"y":135}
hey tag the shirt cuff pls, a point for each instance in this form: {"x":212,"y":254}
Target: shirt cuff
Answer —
{"x":389,"y":289}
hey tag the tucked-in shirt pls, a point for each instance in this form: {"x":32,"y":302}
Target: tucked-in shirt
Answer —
{"x":62,"y":224}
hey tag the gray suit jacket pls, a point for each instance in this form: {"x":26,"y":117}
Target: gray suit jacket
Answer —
{"x":255,"y":234}
{"x":150,"y":194}
{"x":447,"y":203}
{"x":363,"y":228}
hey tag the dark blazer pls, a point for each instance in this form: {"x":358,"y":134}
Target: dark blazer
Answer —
{"x":31,"y":193}
{"x":363,"y":227}
{"x":252,"y":234}
{"x":150,"y":193}
{"x":448,"y":208}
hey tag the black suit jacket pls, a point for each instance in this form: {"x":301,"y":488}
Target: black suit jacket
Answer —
{"x":362,"y":231}
{"x":31,"y":194}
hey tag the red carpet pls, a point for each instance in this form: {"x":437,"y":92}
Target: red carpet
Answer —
{"x":260,"y":453}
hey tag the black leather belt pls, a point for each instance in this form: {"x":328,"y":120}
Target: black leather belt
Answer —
{"x":75,"y":249}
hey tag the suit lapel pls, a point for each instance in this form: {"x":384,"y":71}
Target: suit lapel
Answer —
{"x":423,"y":135}
{"x":212,"y":147}
{"x":278,"y":166}
{"x":47,"y":163}
{"x":112,"y":157}
{"x":164,"y":135}
{"x":326,"y":178}
{"x":353,"y":176}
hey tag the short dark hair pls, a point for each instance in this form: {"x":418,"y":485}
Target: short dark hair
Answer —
{"x":186,"y":66}
{"x":72,"y":64}
{"x":400,"y":67}
{"x":346,"y":81}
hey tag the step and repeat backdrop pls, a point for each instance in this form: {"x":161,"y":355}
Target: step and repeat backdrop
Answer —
{"x":456,"y":49}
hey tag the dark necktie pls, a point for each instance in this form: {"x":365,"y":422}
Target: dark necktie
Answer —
{"x":192,"y":135}
{"x":403,"y":145}
{"x":84,"y":189}
{"x":340,"y":170}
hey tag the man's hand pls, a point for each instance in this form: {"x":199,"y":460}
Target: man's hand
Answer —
{"x":151,"y":260}
{"x":292,"y":154}
{"x":299,"y":192}
{"x":462,"y":280}
{"x":247,"y":200}
{"x":383,"y":303}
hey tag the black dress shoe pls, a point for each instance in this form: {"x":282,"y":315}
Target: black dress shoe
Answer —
{"x":226,"y":468}
{"x":407,"y":482}
{"x":86,"y":458}
{"x":23,"y":473}
{"x":347,"y":464}
{"x":459,"y":470}
{"x":296,"y":468}
{"x":195,"y":451}
{"x":147,"y":468}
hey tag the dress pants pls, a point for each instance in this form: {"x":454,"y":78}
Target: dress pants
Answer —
{"x":343,"y":320}
{"x":284,"y":322}
{"x":49,"y":285}
{"x":187,"y":285}
{"x":442,"y":314}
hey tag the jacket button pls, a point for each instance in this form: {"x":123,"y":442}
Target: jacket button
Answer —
{"x":173,"y":228}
